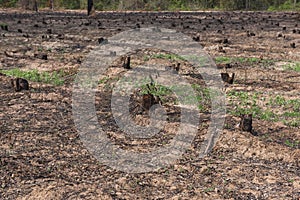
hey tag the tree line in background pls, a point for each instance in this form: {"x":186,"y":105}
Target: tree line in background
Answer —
{"x":157,"y":5}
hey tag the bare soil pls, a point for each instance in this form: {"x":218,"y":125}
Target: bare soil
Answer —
{"x":42,"y":156}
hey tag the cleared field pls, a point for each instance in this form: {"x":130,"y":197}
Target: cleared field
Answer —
{"x":42,"y":156}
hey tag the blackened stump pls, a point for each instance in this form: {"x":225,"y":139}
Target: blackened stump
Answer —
{"x":4,"y":27}
{"x":177,"y":67}
{"x":148,"y":101}
{"x":44,"y":57}
{"x":293,"y":45}
{"x":226,"y":78}
{"x":90,"y":7}
{"x":20,"y":84}
{"x":246,"y":123}
{"x":126,"y":62}
{"x":196,"y":38}
{"x":102,"y":40}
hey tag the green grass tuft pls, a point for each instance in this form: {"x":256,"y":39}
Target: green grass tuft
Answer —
{"x":55,"y":78}
{"x":227,"y":60}
{"x":293,"y":67}
{"x":168,"y":56}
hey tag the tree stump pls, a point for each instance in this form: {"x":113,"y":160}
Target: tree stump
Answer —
{"x":126,"y":62}
{"x":148,"y":101}
{"x":226,"y":78}
{"x":90,"y":7}
{"x":19,"y":84}
{"x":246,"y":123}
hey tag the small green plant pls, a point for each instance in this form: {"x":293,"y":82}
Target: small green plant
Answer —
{"x":291,"y":143}
{"x":146,"y":58}
{"x":222,"y":59}
{"x":291,"y":114}
{"x":156,"y":90}
{"x":204,"y":97}
{"x":244,"y":103}
{"x":295,"y":104}
{"x":103,"y":80}
{"x":3,"y":24}
{"x":263,"y":108}
{"x":227,"y":60}
{"x":55,"y":78}
{"x":268,"y":115}
{"x":209,"y":189}
{"x":292,"y":123}
{"x":293,"y":67}
{"x":167,"y":56}
{"x":280,"y":100}
{"x":200,"y":96}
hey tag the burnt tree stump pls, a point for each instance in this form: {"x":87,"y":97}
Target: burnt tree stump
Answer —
{"x":148,"y":101}
{"x":293,"y":45}
{"x":226,"y":78}
{"x":246,"y":122}
{"x":90,"y":7}
{"x":126,"y":62}
{"x":19,"y":84}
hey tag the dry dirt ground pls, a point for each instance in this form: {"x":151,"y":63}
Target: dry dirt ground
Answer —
{"x":42,"y":156}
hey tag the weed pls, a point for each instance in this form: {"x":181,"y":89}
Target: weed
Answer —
{"x":292,"y":67}
{"x":200,"y":96}
{"x":210,"y":189}
{"x":204,"y":97}
{"x":279,"y":100}
{"x":156,"y":90}
{"x":291,"y":114}
{"x":268,"y":115}
{"x":263,"y":108}
{"x":227,"y":60}
{"x":222,"y":59}
{"x":3,"y":24}
{"x":295,"y":104}
{"x":146,"y":58}
{"x":243,"y":103}
{"x":291,"y":143}
{"x":40,"y":49}
{"x":293,"y":123}
{"x":103,"y":80}
{"x":201,"y":61}
{"x":168,"y":56}
{"x":55,"y":78}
